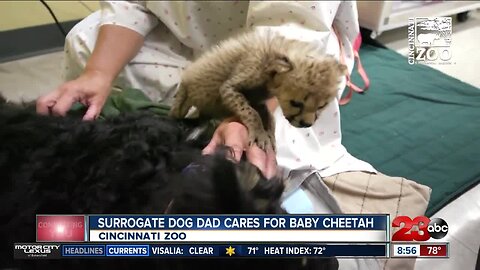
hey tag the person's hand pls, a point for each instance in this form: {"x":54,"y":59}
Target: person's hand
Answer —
{"x":91,"y":89}
{"x":103,"y":66}
{"x":235,"y":135}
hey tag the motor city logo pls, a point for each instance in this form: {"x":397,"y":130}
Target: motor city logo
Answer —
{"x":32,"y":250}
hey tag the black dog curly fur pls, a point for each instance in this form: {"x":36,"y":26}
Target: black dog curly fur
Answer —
{"x":126,"y":164}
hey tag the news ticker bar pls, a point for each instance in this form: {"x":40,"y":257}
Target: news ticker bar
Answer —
{"x":213,"y":228}
{"x":56,"y":251}
{"x":394,"y":250}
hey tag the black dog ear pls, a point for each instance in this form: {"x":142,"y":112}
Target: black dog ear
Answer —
{"x":267,"y":196}
{"x":228,"y":190}
{"x":208,"y":185}
{"x":181,"y":158}
{"x":262,"y":195}
{"x":247,"y":175}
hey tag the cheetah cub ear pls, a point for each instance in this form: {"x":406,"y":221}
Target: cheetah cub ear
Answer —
{"x":342,"y":69}
{"x":279,"y":64}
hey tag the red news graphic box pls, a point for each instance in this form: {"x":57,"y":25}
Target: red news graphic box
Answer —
{"x":433,"y":250}
{"x":60,"y":228}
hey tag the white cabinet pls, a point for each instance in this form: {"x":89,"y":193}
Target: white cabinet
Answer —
{"x":380,"y":16}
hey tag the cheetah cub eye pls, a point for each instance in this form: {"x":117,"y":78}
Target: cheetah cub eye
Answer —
{"x":296,"y":104}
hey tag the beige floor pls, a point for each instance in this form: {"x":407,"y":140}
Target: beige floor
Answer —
{"x":26,"y":79}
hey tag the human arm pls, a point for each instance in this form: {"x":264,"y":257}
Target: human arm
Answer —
{"x":93,"y":86}
{"x":119,"y":40}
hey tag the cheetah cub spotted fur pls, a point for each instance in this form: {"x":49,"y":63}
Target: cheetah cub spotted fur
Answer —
{"x":236,"y":77}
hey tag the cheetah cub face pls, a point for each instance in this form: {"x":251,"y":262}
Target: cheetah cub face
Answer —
{"x":305,"y":86}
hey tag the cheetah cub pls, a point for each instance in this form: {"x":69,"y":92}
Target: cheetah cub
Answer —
{"x":236,"y":77}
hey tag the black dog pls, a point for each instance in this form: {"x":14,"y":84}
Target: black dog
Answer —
{"x":135,"y":163}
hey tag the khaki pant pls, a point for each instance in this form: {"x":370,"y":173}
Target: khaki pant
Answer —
{"x":366,"y":193}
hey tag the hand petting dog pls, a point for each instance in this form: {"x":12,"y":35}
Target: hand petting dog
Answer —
{"x":235,"y":135}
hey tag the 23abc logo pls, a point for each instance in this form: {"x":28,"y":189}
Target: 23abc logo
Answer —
{"x":436,"y":228}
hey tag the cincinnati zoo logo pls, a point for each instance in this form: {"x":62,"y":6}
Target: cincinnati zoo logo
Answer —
{"x":429,"y":40}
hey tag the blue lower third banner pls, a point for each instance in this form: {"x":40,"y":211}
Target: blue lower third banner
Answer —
{"x":238,"y":228}
{"x":225,"y":250}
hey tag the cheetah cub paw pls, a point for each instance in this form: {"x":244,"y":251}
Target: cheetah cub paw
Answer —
{"x":263,"y":139}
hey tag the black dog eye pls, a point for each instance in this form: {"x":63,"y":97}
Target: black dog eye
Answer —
{"x":297,"y":104}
